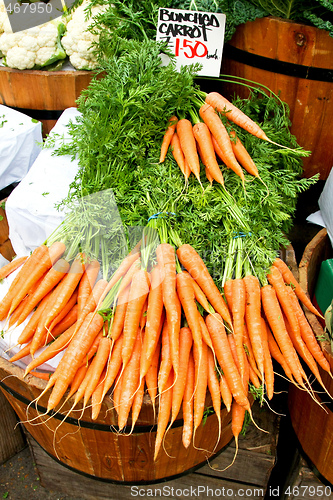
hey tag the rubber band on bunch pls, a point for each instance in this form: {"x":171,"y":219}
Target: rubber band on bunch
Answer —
{"x":161,"y":215}
{"x":241,"y":234}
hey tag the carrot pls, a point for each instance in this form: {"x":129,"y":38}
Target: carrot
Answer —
{"x":218,"y":150}
{"x":167,"y":137}
{"x":130,"y":382}
{"x":96,"y":397}
{"x":308,"y":336}
{"x":143,"y":317}
{"x":166,"y":259}
{"x":152,"y":374}
{"x":275,"y":278}
{"x":65,"y":310}
{"x":49,"y":281}
{"x":206,"y":150}
{"x":187,"y":298}
{"x":192,"y":261}
{"x":166,"y":361}
{"x":93,"y":299}
{"x":77,"y":380}
{"x":253,"y":319}
{"x":42,"y":375}
{"x":187,"y":405}
{"x":116,"y":393}
{"x":117,"y":323}
{"x":178,"y":389}
{"x":53,"y":254}
{"x":136,"y":299}
{"x":114,"y":365}
{"x":290,"y":279}
{"x":218,"y":130}
{"x":188,"y":145}
{"x":224,"y":356}
{"x":214,"y":388}
{"x":199,"y":294}
{"x":65,"y":322}
{"x":52,"y":350}
{"x":277,"y":355}
{"x":137,"y":403}
{"x":208,"y":175}
{"x":249,"y":352}
{"x":61,"y":296}
{"x":238,"y":307}
{"x":178,"y":155}
{"x":9,"y":268}
{"x":225,"y":392}
{"x":222,"y":105}
{"x":275,"y":320}
{"x":242,"y":155}
{"x":227,"y":290}
{"x":97,"y":366}
{"x":29,"y":329}
{"x":20,"y":277}
{"x":74,"y":357}
{"x":126,"y":280}
{"x":205,"y":333}
{"x":201,"y":381}
{"x":268,"y":365}
{"x":163,"y":413}
{"x":155,"y":317}
{"x":87,"y":282}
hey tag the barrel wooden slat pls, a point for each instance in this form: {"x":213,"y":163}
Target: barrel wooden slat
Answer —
{"x":312,"y":424}
{"x":96,"y":448}
{"x":310,"y":100}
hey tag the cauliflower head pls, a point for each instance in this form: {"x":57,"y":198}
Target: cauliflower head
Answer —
{"x":78,"y":41}
{"x":34,"y":48}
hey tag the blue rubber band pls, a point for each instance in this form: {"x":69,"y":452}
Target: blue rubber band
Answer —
{"x":241,"y":234}
{"x":155,"y":216}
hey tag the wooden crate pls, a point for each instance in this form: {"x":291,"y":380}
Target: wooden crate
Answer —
{"x":248,"y":476}
{"x":11,"y":438}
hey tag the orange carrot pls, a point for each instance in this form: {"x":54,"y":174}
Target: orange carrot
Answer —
{"x":191,"y":260}
{"x":188,"y":145}
{"x":74,"y":357}
{"x":276,"y":322}
{"x":178,"y":155}
{"x":242,"y":155}
{"x":9,"y":268}
{"x":218,"y":130}
{"x":275,"y":278}
{"x":308,"y":335}
{"x":154,"y":321}
{"x":253,"y":319}
{"x":276,"y":353}
{"x":166,"y":361}
{"x":87,"y":282}
{"x":137,"y":403}
{"x":222,"y":105}
{"x":185,"y":345}
{"x":49,"y":281}
{"x":114,"y":365}
{"x":65,"y":323}
{"x":77,"y":380}
{"x":225,"y":392}
{"x":20,"y":277}
{"x":187,"y":405}
{"x":130,"y":382}
{"x":290,"y":279}
{"x":63,"y":313}
{"x":136,"y":299}
{"x":29,"y":329}
{"x":117,"y":324}
{"x":214,"y":387}
{"x":187,"y":298}
{"x":93,"y":300}
{"x":224,"y":356}
{"x":96,"y":397}
{"x":238,"y":307}
{"x":201,"y":381}
{"x":152,"y":374}
{"x":167,"y":137}
{"x":54,"y":253}
{"x":206,"y":150}
{"x":97,"y":366}
{"x":167,"y":264}
{"x":227,"y":290}
{"x":163,"y":413}
{"x":268,"y":365}
{"x":199,"y":294}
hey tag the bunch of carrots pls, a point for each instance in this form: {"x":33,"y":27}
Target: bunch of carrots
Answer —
{"x":206,"y":138}
{"x":162,"y":327}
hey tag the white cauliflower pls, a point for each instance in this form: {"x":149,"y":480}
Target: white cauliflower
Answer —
{"x":4,"y":21}
{"x":78,"y":41}
{"x":35,"y":47}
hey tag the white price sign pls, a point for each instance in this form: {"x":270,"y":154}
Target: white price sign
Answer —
{"x":193,"y":37}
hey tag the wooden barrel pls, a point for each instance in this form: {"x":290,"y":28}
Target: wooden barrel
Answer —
{"x":95,"y":448}
{"x":296,"y":61}
{"x":313,"y":424}
{"x":43,"y":95}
